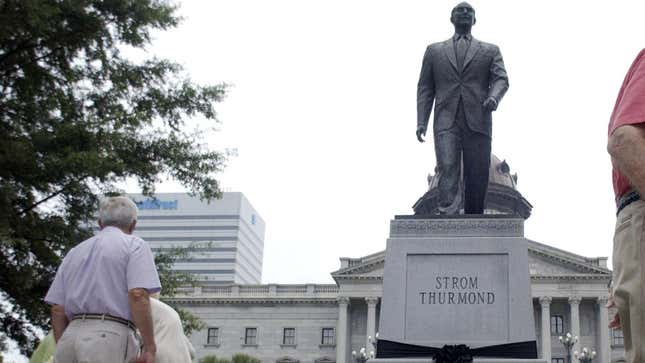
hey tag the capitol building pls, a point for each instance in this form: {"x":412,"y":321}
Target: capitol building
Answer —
{"x":324,"y":323}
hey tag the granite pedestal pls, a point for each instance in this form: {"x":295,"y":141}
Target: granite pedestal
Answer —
{"x":457,"y":280}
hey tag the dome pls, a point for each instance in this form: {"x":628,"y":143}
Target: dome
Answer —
{"x":502,"y":196}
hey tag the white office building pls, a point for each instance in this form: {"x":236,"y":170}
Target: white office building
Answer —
{"x":226,"y":235}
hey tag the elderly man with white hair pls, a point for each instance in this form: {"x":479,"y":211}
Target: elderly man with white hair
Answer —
{"x":100,"y":294}
{"x":172,"y":344}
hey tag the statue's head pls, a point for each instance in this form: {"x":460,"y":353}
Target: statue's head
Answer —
{"x":463,"y":15}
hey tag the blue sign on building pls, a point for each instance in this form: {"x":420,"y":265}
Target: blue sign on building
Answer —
{"x":151,"y":204}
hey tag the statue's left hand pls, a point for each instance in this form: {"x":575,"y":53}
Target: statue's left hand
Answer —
{"x":490,"y":104}
{"x":421,"y":132}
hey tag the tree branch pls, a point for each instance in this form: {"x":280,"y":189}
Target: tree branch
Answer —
{"x":22,"y":46}
{"x":61,"y":190}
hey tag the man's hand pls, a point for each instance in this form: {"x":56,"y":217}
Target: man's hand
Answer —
{"x":421,"y":131}
{"x":490,"y":104}
{"x":615,"y":322}
{"x":145,"y":357}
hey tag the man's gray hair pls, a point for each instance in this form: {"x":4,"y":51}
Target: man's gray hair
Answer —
{"x":117,"y":211}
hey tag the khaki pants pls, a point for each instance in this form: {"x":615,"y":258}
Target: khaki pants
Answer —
{"x":629,"y":276}
{"x":96,"y":341}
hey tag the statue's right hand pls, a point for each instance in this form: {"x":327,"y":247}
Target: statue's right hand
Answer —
{"x":421,"y":132}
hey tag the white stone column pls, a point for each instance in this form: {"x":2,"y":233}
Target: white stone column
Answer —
{"x":574,"y":305}
{"x":604,"y":350}
{"x":545,"y":303}
{"x":341,"y":330}
{"x":371,"y":322}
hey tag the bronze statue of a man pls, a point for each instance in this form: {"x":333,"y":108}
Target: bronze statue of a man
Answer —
{"x":465,"y":79}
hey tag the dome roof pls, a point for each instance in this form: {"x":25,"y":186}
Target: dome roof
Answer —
{"x":502,"y":196}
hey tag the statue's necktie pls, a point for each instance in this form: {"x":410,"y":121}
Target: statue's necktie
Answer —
{"x":462,"y":47}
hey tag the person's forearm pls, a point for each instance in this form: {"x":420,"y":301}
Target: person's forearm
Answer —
{"x":140,"y":308}
{"x":627,"y":149}
{"x":59,"y":321}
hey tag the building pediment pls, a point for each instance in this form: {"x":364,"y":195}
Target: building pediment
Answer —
{"x":545,"y":262}
{"x":368,"y":267}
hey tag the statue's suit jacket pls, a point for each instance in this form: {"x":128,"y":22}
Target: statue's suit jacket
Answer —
{"x":443,"y":83}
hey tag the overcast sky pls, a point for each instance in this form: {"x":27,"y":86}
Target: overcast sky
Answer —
{"x":323,"y":114}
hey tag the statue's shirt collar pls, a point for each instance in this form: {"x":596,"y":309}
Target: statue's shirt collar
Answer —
{"x":468,"y":37}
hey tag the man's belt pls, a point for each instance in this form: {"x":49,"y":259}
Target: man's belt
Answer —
{"x":107,"y":317}
{"x":626,"y":199}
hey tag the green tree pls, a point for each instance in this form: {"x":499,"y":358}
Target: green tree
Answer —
{"x":244,"y":358}
{"x":237,"y":358}
{"x":77,"y":118}
{"x":213,"y":359}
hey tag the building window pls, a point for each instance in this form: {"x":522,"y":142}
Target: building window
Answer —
{"x":617,"y":337}
{"x":328,"y":336}
{"x":289,"y":336}
{"x":557,"y":324}
{"x":251,"y":336}
{"x":557,"y":360}
{"x":213,"y":336}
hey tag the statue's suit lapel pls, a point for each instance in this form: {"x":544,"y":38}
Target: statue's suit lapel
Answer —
{"x":450,"y":53}
{"x":472,"y":50}
{"x":470,"y":54}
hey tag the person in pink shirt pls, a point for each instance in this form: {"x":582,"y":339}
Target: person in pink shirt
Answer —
{"x":626,"y":145}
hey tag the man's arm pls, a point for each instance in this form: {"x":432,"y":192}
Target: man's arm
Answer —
{"x":139,"y":301}
{"x":627,"y":149}
{"x":498,"y":81}
{"x":59,"y":321}
{"x":425,"y":95}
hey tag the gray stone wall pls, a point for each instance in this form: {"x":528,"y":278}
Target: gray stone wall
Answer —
{"x":270,"y":320}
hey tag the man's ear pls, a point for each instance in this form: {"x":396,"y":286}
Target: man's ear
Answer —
{"x":131,"y":228}
{"x":474,"y":20}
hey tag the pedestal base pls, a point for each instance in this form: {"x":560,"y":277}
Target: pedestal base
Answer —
{"x":451,"y":281}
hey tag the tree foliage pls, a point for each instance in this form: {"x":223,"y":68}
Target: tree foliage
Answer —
{"x":213,"y":359}
{"x":237,"y":358}
{"x":77,"y":117}
{"x":244,"y":358}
